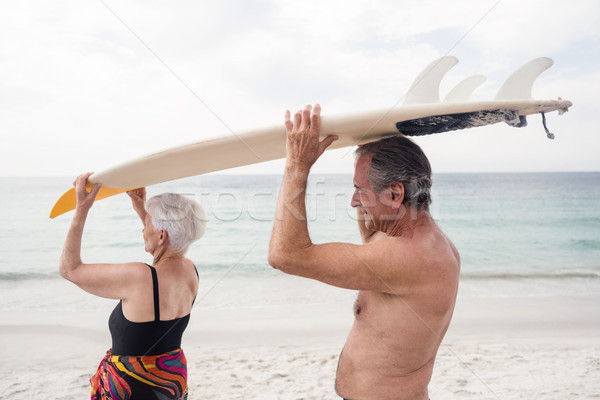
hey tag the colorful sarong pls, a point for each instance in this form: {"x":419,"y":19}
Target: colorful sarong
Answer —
{"x":146,"y":377}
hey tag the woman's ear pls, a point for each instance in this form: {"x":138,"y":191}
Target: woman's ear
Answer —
{"x":164,"y":236}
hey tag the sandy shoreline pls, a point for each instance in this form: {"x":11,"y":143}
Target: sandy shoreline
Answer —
{"x":496,"y":348}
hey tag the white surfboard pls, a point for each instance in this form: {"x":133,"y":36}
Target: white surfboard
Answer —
{"x":421,"y":113}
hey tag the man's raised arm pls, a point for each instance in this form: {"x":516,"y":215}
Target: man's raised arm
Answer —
{"x":303,"y":148}
{"x":359,"y":267}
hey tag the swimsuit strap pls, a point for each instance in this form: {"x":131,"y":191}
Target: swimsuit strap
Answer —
{"x":155,"y":289}
{"x":198,"y":275}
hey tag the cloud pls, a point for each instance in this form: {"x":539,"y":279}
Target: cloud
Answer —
{"x":83,"y":91}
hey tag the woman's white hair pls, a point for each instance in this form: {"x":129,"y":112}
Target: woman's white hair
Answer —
{"x":182,"y":218}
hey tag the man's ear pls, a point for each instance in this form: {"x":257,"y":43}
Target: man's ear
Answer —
{"x":397,"y":194}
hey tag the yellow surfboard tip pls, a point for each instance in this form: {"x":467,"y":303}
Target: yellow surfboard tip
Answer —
{"x":67,"y":201}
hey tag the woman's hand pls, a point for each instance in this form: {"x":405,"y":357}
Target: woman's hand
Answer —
{"x":138,"y":200}
{"x":85,"y":199}
{"x":138,"y":197}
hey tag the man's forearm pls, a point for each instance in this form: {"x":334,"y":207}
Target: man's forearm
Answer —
{"x":367,"y":235}
{"x":290,"y":237}
{"x":290,"y":230}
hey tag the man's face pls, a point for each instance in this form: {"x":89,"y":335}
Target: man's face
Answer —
{"x":364,"y":196}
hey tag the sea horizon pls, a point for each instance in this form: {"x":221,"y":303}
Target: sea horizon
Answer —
{"x":534,"y":234}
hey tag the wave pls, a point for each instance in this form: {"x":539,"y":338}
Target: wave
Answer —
{"x":585,"y":244}
{"x":212,"y":269}
{"x":24,"y":276}
{"x":260,"y":269}
{"x":532,"y":275}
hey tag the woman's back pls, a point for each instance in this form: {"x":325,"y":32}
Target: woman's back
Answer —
{"x":146,"y":360}
{"x":177,"y":287}
{"x":155,"y":332}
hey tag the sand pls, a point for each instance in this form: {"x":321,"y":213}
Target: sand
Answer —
{"x":497,"y":348}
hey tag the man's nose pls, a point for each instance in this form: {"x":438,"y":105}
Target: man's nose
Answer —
{"x":354,"y":202}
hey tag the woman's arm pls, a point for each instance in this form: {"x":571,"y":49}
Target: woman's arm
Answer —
{"x":70,"y":258}
{"x":113,"y":281}
{"x":138,"y":200}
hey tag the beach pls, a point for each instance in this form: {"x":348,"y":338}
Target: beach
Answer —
{"x":100,"y":86}
{"x":520,"y":347}
{"x":526,"y":324}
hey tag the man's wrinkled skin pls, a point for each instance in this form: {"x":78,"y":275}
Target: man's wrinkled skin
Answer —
{"x":406,"y":272}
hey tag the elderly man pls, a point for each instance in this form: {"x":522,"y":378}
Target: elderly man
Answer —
{"x":406,"y":270}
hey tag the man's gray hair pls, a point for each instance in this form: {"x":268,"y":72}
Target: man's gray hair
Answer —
{"x":182,"y":218}
{"x":399,"y":159}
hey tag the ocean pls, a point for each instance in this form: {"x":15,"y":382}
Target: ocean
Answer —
{"x":519,"y":234}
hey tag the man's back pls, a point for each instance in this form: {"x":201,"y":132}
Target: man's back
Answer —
{"x":391,"y":348}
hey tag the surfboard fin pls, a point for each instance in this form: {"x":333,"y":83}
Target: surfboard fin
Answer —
{"x":464,"y":89}
{"x":426,"y":87}
{"x":518,"y":86}
{"x":67,"y":201}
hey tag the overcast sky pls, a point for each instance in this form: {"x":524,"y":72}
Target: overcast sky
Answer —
{"x":85,"y":85}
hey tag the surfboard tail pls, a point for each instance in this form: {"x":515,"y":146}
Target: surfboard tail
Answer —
{"x":67,"y":201}
{"x":519,"y":84}
{"x":426,"y":86}
{"x":464,"y":89}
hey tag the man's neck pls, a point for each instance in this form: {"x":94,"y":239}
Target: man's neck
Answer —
{"x":409,"y":222}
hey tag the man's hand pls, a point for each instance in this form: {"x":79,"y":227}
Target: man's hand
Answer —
{"x":303,"y":145}
{"x":367,"y":235}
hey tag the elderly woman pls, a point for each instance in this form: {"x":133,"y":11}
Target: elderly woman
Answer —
{"x":146,"y":360}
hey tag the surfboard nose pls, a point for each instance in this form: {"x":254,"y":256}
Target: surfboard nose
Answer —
{"x":68,"y":202}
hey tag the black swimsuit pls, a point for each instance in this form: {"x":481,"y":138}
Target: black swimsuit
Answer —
{"x":146,"y":338}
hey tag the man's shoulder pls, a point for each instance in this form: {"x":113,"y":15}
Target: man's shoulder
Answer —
{"x":421,"y":240}
{"x":426,"y":248}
